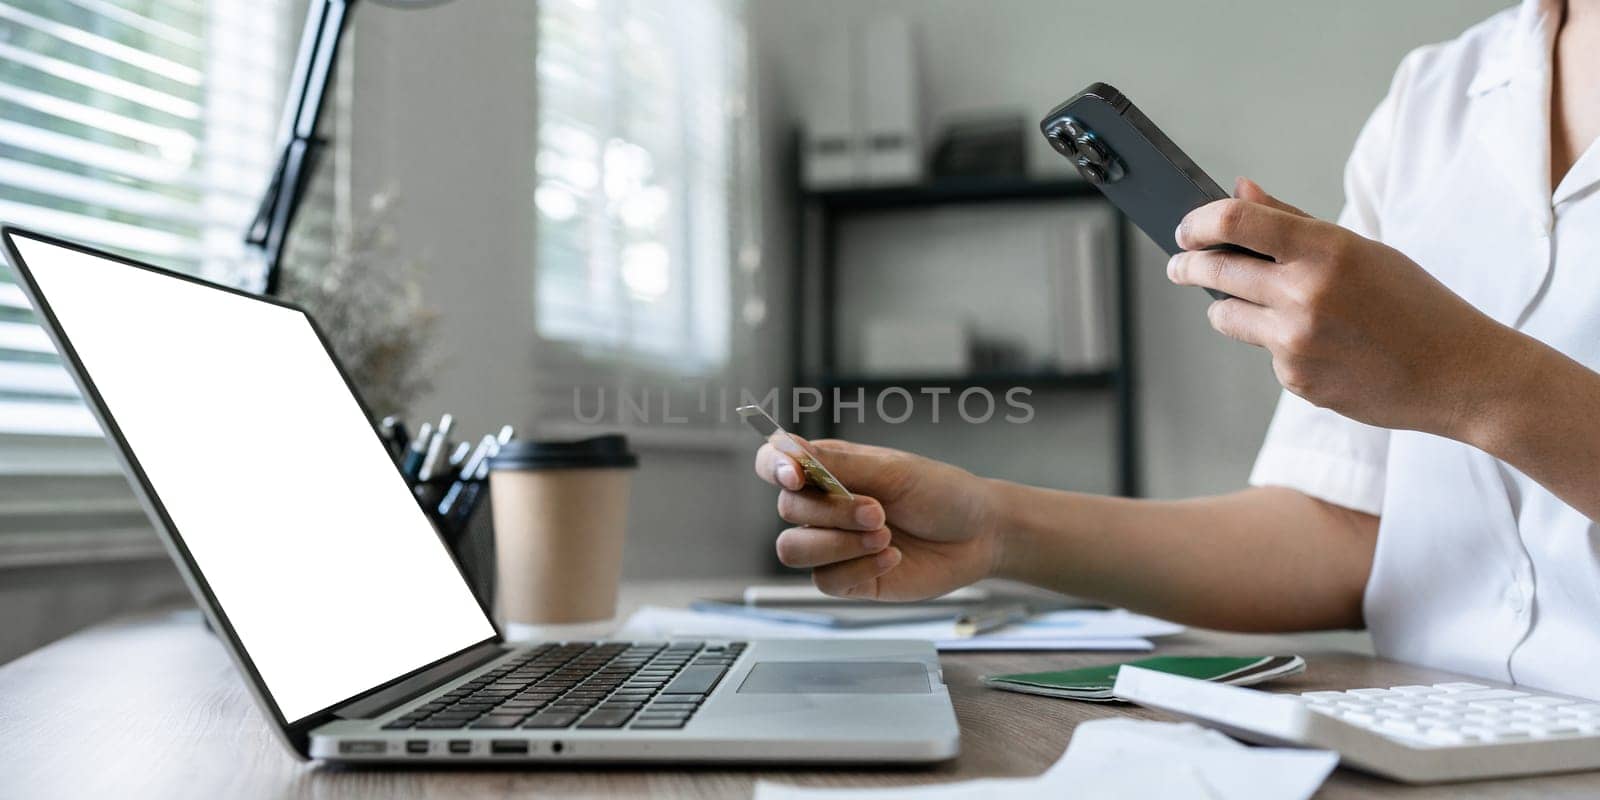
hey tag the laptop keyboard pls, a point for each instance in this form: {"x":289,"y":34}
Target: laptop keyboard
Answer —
{"x":641,"y":685}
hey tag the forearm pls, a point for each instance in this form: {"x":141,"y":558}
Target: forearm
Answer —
{"x":1258,"y":560}
{"x":1538,"y":410}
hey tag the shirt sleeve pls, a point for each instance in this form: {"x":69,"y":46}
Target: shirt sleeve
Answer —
{"x":1314,"y":450}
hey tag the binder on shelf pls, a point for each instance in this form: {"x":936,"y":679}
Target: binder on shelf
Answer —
{"x":864,"y":126}
{"x":890,"y":103}
{"x":831,"y":145}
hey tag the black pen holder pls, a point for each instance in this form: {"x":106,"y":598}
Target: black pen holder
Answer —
{"x":469,"y":536}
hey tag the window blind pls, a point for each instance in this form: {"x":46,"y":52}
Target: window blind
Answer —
{"x":145,"y":127}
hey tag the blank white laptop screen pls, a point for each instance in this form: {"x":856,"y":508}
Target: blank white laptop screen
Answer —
{"x":328,"y":570}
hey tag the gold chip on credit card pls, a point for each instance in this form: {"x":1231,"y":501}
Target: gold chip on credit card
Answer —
{"x":816,"y":474}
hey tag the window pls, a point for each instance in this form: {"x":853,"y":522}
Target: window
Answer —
{"x":146,"y":127}
{"x":641,"y":127}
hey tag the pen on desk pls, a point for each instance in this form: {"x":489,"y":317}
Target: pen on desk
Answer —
{"x":417,"y":451}
{"x":983,"y":620}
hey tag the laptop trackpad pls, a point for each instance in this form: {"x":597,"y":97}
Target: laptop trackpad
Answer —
{"x":836,"y":677}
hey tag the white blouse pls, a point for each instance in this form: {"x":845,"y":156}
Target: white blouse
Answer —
{"x":1478,"y":568}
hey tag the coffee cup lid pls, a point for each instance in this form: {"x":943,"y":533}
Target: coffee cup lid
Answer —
{"x":610,"y":450}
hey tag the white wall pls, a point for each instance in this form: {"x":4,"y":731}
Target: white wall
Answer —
{"x":1264,"y":88}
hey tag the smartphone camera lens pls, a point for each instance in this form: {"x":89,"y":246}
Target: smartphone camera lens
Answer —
{"x":1091,"y":172}
{"x":1089,"y":147}
{"x":1063,"y":136}
{"x":1095,"y":161}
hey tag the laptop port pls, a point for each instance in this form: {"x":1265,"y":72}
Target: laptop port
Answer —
{"x":557,"y":747}
{"x":460,"y":746}
{"x":361,"y":748}
{"x":508,"y":747}
{"x":417,"y":747}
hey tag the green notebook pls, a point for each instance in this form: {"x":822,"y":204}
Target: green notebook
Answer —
{"x":1094,"y":683}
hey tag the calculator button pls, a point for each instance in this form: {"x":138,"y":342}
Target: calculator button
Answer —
{"x":1544,"y":702}
{"x":1323,"y":696}
{"x":1482,"y":694}
{"x":1494,"y":705}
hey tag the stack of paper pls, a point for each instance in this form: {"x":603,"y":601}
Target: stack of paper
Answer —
{"x":1119,"y":758}
{"x":1076,"y":629}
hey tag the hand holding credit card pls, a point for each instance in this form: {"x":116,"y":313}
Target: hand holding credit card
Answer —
{"x":816,"y":474}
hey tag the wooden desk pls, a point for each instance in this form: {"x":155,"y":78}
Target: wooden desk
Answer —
{"x":150,"y":707}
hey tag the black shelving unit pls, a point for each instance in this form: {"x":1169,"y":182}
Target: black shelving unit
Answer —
{"x":1092,"y":379}
{"x":815,"y":276}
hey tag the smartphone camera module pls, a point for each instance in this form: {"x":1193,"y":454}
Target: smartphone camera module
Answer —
{"x":1062,"y":135}
{"x":1095,"y":162}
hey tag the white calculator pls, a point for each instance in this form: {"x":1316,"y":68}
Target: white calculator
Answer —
{"x":1417,"y":734}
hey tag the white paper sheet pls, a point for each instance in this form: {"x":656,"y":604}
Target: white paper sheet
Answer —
{"x":980,"y":644}
{"x":1086,"y":624}
{"x":1110,"y":759}
{"x":1061,"y":630}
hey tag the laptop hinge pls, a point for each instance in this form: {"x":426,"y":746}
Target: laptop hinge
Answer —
{"x":379,"y":702}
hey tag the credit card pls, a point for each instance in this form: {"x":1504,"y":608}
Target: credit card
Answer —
{"x":816,"y":474}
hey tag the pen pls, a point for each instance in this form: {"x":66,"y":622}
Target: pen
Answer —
{"x":984,"y":620}
{"x":487,"y":447}
{"x":416,"y":452}
{"x":460,"y":454}
{"x":467,"y":503}
{"x":435,"y":452}
{"x":386,"y":433}
{"x":482,"y":473}
{"x":470,"y":468}
{"x":472,"y":487}
{"x":402,"y":437}
{"x":506,"y":432}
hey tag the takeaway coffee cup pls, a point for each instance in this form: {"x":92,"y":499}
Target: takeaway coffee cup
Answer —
{"x":560,"y":509}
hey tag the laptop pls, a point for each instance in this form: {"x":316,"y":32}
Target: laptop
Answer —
{"x":340,"y":604}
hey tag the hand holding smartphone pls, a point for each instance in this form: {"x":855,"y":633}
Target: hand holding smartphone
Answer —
{"x":1132,"y":162}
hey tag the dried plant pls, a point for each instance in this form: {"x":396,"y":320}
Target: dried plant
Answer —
{"x":366,"y":299}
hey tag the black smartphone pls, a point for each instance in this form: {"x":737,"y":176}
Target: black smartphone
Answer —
{"x":1119,"y":150}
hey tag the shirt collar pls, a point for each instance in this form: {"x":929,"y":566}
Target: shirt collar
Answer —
{"x":1524,"y":53}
